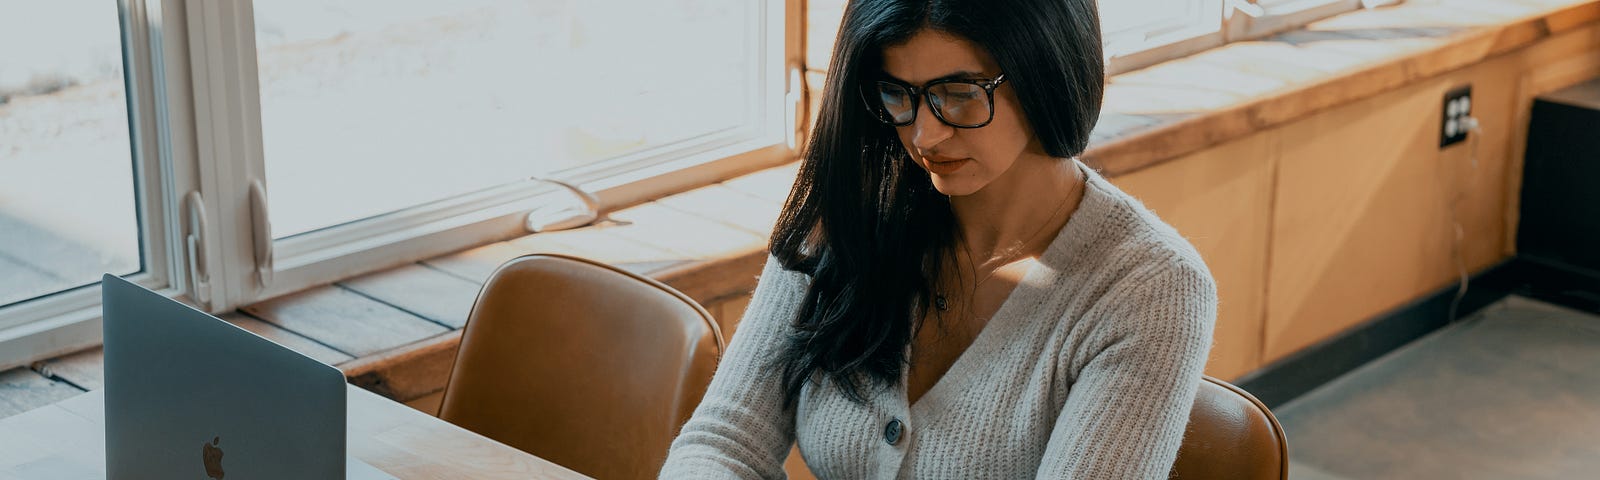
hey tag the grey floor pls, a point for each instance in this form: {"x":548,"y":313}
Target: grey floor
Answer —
{"x":36,"y":261}
{"x":1510,"y":392}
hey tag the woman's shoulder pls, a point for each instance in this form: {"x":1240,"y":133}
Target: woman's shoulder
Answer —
{"x":1120,"y":270}
{"x":1116,"y":238}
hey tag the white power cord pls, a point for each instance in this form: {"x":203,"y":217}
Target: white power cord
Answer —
{"x":1470,"y":124}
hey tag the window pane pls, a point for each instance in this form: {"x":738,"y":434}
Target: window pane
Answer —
{"x":373,"y":106}
{"x":67,"y":205}
{"x":1131,"y":26}
{"x":1120,"y":16}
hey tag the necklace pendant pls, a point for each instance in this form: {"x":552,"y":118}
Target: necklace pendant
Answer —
{"x":940,"y":303}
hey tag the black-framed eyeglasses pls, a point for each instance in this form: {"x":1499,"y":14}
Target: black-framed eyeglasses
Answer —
{"x":957,"y":102}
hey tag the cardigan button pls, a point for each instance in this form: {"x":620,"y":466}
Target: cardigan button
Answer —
{"x":892,"y":431}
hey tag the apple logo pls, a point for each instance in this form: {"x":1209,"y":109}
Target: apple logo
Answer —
{"x":213,"y":458}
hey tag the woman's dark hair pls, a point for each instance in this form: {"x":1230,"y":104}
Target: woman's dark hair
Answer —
{"x":864,"y":222}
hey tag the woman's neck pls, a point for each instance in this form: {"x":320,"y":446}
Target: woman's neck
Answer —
{"x":1016,"y":215}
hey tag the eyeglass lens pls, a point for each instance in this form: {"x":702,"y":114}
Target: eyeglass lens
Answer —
{"x":961,"y":104}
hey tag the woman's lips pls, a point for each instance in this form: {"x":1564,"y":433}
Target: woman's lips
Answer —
{"x":945,"y":166}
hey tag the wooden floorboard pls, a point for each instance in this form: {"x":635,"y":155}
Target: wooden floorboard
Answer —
{"x":600,"y":244}
{"x":478,"y":263}
{"x":22,"y":390}
{"x":426,"y":292}
{"x":308,"y":347}
{"x":349,"y":322}
{"x":772,"y":184}
{"x":725,"y":205}
{"x":691,"y":236}
{"x":83,"y":369}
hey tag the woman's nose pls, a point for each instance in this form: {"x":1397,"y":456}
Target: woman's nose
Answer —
{"x":927,"y":130}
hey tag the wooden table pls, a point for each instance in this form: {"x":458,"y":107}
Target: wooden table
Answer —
{"x":69,"y":436}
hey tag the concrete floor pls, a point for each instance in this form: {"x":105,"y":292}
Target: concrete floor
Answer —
{"x":1511,"y":392}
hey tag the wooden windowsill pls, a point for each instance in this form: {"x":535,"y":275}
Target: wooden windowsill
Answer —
{"x":1186,"y":105}
{"x":395,"y":332}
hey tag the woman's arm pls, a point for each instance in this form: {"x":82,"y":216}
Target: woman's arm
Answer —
{"x":740,"y":429}
{"x":1125,"y":415}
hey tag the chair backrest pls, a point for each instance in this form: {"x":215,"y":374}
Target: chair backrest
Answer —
{"x":583,"y":364}
{"x":1231,"y":435}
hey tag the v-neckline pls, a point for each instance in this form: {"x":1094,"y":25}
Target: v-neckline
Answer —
{"x":1002,"y":317}
{"x":1002,"y":314}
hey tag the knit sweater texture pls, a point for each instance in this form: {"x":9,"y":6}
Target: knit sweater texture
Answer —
{"x":1088,"y":370}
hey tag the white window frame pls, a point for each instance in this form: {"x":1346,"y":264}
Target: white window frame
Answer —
{"x":228,"y":126}
{"x":69,"y":320}
{"x":1240,"y":20}
{"x":1274,"y":16}
{"x":1202,"y":28}
{"x":195,"y":121}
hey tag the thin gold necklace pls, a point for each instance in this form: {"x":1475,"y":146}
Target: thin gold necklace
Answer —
{"x":941,"y":300}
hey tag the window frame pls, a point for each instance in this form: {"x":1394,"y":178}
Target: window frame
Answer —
{"x":195,"y":142}
{"x":69,"y":320}
{"x":1241,"y":20}
{"x":1166,"y":41}
{"x":1282,"y":15}
{"x":227,"y":95}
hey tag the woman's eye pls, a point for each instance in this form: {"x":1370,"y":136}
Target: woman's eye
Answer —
{"x":960,"y":96}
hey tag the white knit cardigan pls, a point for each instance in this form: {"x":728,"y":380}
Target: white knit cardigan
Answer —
{"x":1088,"y":370}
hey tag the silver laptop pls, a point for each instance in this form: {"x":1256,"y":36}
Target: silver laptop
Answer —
{"x":188,"y":395}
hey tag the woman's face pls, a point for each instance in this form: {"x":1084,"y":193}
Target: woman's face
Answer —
{"x":961,"y":161}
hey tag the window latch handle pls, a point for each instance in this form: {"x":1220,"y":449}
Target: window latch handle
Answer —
{"x":795,"y":109}
{"x":261,"y":228}
{"x":193,"y":245}
{"x":1246,"y":7}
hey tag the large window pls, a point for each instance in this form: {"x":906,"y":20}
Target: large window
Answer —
{"x":228,"y":151}
{"x":372,"y":107}
{"x":371,"y":131}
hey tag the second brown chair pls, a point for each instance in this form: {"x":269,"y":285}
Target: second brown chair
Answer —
{"x":1231,"y":436}
{"x":583,"y":364}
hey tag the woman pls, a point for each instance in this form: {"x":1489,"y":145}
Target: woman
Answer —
{"x":950,"y":293}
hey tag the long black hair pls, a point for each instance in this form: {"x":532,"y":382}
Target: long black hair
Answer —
{"x":865,"y":222}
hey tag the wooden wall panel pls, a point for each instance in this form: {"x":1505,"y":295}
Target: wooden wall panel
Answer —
{"x":1220,"y":199}
{"x":1361,"y":223}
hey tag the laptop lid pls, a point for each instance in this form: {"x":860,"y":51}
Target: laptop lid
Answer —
{"x":188,"y":395}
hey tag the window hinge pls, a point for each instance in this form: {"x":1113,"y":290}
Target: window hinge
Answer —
{"x":193,"y":244}
{"x":1246,"y":7}
{"x":795,"y":108}
{"x":261,"y":228}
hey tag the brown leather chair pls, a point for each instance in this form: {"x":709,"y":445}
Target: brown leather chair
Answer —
{"x":581,"y":363}
{"x":1231,"y":435}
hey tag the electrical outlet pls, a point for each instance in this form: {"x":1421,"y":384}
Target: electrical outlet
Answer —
{"x":1457,"y":110}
